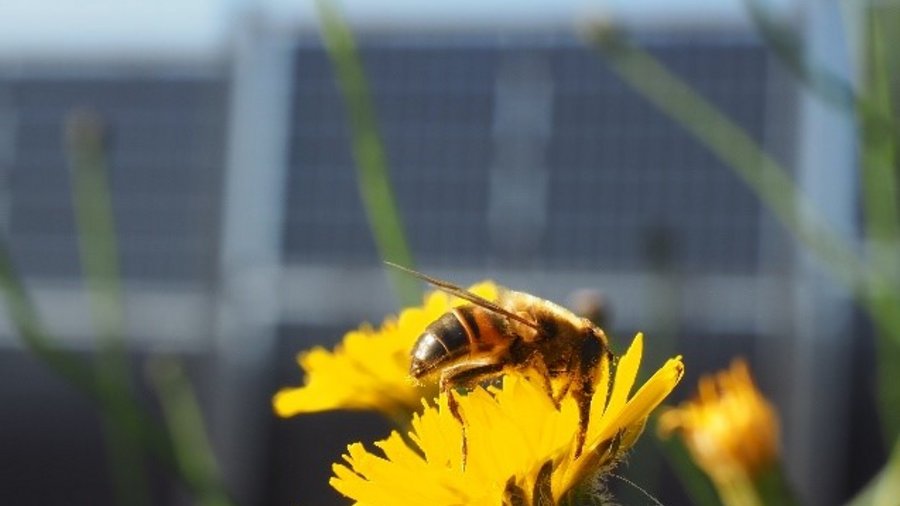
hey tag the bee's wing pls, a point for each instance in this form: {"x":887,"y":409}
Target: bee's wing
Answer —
{"x":464,"y":294}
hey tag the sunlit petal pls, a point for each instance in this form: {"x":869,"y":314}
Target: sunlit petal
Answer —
{"x":730,"y":429}
{"x":369,"y":369}
{"x":511,"y":432}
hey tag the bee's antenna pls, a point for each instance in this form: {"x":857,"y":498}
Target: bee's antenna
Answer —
{"x":464,"y":294}
{"x":638,"y":487}
{"x":403,"y":268}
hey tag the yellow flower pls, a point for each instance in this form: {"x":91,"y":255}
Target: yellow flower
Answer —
{"x":730,"y":430}
{"x":519,"y":444}
{"x":369,"y":370}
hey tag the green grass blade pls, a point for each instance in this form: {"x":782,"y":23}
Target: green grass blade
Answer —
{"x":368,"y":150}
{"x":185,"y":423}
{"x":730,"y":143}
{"x":785,"y":43}
{"x":872,"y":286}
{"x":884,"y":489}
{"x":25,"y":320}
{"x":882,"y":223}
{"x":99,"y":259}
{"x":774,"y":489}
{"x":879,"y":164}
{"x":27,"y":324}
{"x":133,"y":420}
{"x":695,"y":482}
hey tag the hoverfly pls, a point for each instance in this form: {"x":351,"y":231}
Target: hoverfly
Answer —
{"x":480,"y":341}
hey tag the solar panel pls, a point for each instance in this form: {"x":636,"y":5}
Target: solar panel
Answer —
{"x":527,"y":151}
{"x":165,"y":158}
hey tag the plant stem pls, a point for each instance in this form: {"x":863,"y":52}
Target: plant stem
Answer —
{"x":99,"y":259}
{"x":368,"y":150}
{"x":181,"y":411}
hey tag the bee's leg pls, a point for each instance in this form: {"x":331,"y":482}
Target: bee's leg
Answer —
{"x":558,"y":396}
{"x":584,"y":376}
{"x":540,"y":368}
{"x":453,"y":405}
{"x":583,"y":392}
{"x":464,"y":375}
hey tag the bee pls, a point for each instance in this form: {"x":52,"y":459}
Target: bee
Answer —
{"x":479,"y":342}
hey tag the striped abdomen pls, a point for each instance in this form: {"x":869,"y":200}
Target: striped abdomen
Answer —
{"x":457,"y":334}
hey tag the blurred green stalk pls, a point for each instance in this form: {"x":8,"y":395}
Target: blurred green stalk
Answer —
{"x":25,"y":320}
{"x":368,"y":150}
{"x":882,"y":223}
{"x":879,"y":136}
{"x":829,"y":87}
{"x":735,"y":147}
{"x":193,"y":453}
{"x":773,"y":488}
{"x":873,"y":110}
{"x":696,"y":483}
{"x":871,"y":283}
{"x":769,"y":488}
{"x":188,"y":454}
{"x":879,"y":167}
{"x":135,"y":422}
{"x":884,"y":489}
{"x":96,"y":234}
{"x":875,"y":281}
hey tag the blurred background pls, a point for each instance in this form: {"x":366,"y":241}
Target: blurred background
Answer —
{"x":515,"y":154}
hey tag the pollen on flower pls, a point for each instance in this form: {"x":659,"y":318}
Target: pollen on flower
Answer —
{"x":369,"y":369}
{"x":520,"y":444}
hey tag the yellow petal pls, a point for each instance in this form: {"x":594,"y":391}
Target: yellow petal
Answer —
{"x":369,"y":369}
{"x":626,"y":372}
{"x":652,"y":393}
{"x":730,"y":429}
{"x":511,"y":432}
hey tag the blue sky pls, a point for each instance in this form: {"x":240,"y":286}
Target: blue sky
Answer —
{"x":65,"y":28}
